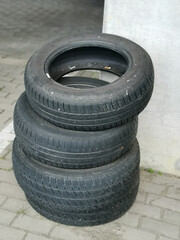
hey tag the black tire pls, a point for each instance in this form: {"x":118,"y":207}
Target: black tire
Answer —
{"x":94,"y":108}
{"x":79,"y":197}
{"x":82,"y":82}
{"x":87,"y":218}
{"x":67,"y":148}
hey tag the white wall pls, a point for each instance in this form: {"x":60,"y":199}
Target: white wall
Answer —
{"x":155,"y":25}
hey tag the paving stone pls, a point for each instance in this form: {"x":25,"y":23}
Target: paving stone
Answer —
{"x":151,"y":188}
{"x":33,"y":224}
{"x":11,"y":190}
{"x":5,"y":100}
{"x":3,"y":153}
{"x":174,"y":192}
{"x":127,"y":233}
{"x":159,"y":227}
{"x":4,"y":144}
{"x":8,"y":155}
{"x":129,"y":219}
{"x":5,"y":83}
{"x":20,"y":89}
{"x":141,"y":196}
{"x":13,"y":96}
{"x":7,"y":233}
{"x":8,"y":128}
{"x":31,"y":236}
{"x":2,"y":198}
{"x":107,"y":231}
{"x":164,"y":202}
{"x":166,"y":180}
{"x":13,"y":131}
{"x":14,"y":205}
{"x":98,"y":235}
{"x":17,"y":205}
{"x":4,"y":123}
{"x":5,"y":165}
{"x":146,"y":210}
{"x":6,"y":136}
{"x":7,"y":176}
{"x":7,"y":90}
{"x":6,"y":79}
{"x":12,"y":61}
{"x":67,"y":233}
{"x":6,"y":217}
{"x":145,"y":176}
{"x":2,"y":94}
{"x":6,"y":115}
{"x":172,"y":217}
{"x":164,"y":238}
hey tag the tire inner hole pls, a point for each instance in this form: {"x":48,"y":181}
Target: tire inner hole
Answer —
{"x":87,"y":67}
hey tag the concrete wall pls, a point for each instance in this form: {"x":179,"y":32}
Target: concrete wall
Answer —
{"x":155,"y":25}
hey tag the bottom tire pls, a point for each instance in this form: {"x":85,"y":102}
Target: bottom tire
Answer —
{"x":87,"y":218}
{"x":79,"y":197}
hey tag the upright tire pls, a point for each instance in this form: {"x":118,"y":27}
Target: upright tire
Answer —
{"x":94,"y":108}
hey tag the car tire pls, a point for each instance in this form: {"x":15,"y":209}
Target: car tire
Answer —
{"x":66,"y":148}
{"x":95,"y":108}
{"x":79,"y":197}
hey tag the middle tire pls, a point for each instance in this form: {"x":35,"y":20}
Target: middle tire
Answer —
{"x":67,"y":148}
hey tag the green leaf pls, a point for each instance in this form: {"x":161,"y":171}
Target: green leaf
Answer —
{"x":150,"y":170}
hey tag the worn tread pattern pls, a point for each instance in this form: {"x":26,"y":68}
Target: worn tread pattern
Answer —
{"x":78,"y":193}
{"x":66,"y":148}
{"x":88,"y":218}
{"x":93,"y":109}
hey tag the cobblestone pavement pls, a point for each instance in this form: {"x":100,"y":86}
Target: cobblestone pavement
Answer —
{"x":25,"y":26}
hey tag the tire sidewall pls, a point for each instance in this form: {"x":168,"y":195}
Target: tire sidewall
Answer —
{"x":139,"y":68}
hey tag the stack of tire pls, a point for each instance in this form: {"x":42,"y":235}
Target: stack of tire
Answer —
{"x":75,"y":155}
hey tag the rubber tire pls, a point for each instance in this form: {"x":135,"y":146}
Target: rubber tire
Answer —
{"x":95,"y":108}
{"x":67,"y":148}
{"x":79,"y":197}
{"x":82,"y":82}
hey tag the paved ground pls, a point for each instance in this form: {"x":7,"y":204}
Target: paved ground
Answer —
{"x":25,"y":26}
